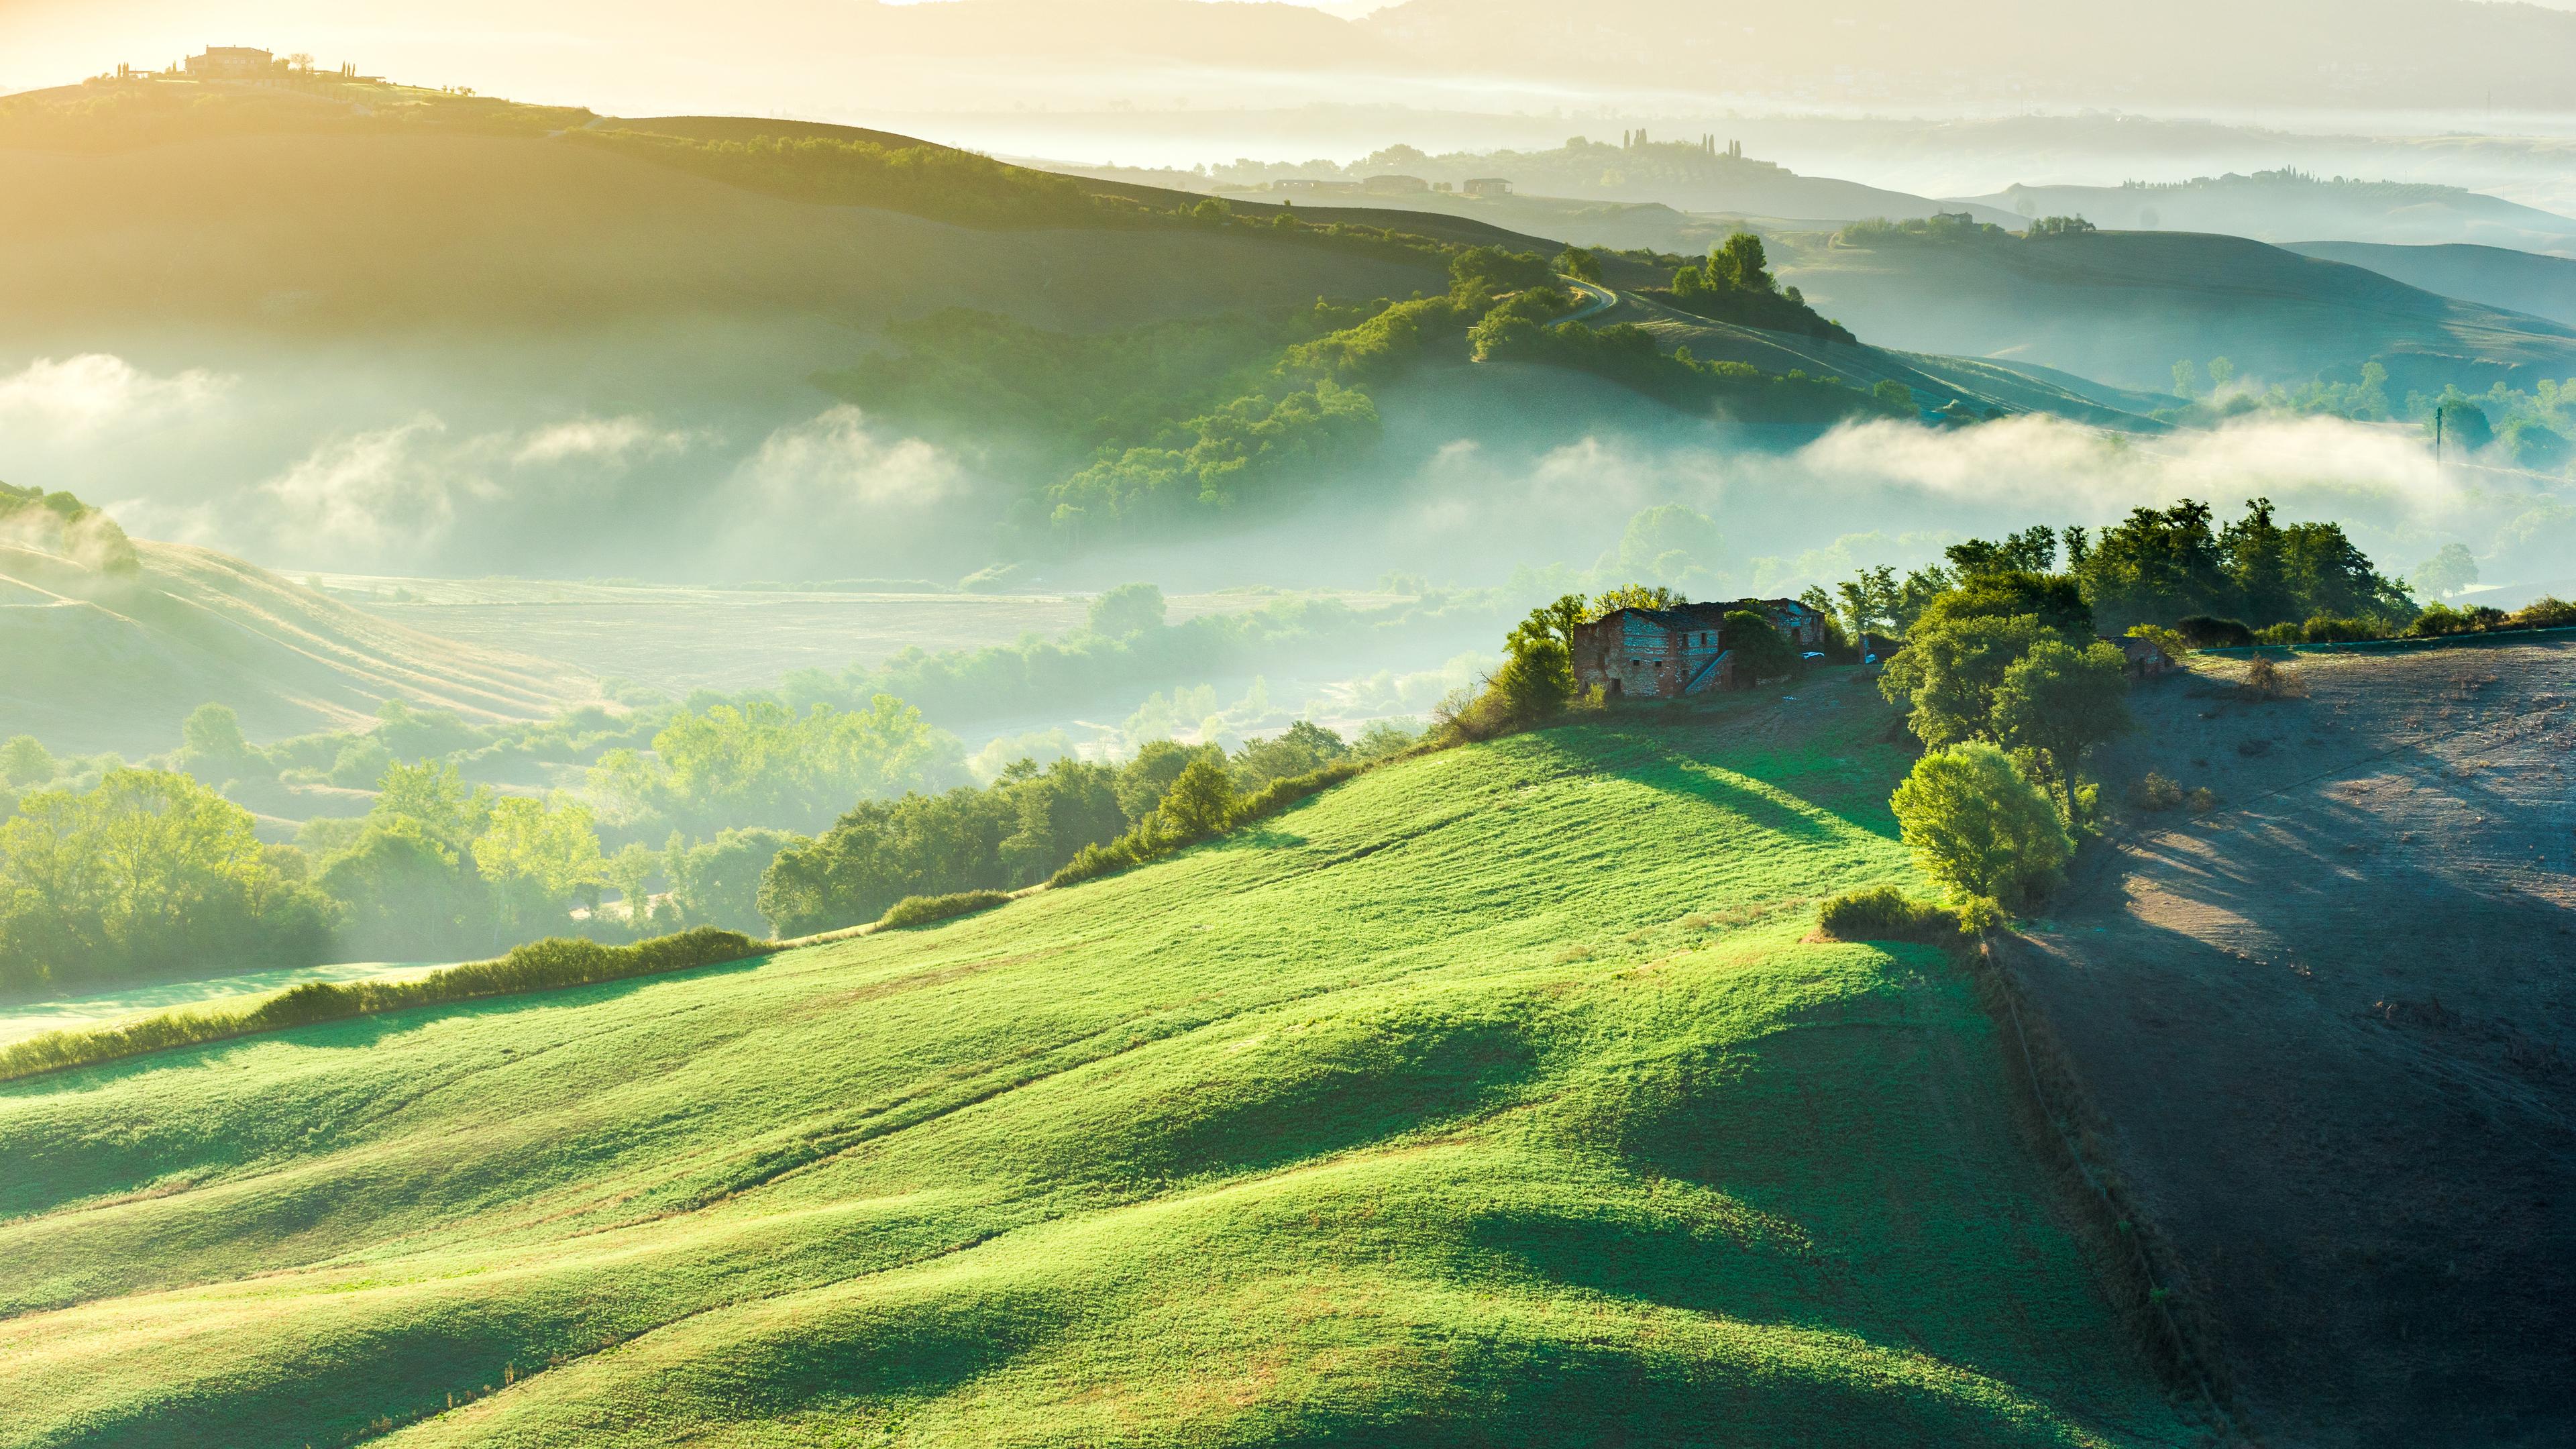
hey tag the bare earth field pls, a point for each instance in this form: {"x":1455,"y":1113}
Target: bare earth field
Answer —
{"x":678,"y":639}
{"x":2328,"y":1026}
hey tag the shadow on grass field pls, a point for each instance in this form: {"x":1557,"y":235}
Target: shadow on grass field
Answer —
{"x":1495,"y":1100}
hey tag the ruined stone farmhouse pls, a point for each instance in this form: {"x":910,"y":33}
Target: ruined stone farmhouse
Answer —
{"x":1668,"y":653}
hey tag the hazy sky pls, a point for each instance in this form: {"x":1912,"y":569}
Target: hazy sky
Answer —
{"x":862,"y":61}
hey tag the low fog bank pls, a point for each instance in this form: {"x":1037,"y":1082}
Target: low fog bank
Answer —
{"x":1481,"y":473}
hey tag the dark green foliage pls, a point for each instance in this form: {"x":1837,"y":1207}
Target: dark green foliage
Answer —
{"x":538,"y":966}
{"x":2056,"y":600}
{"x":1628,"y":354}
{"x":1126,"y":611}
{"x":1021,"y":831}
{"x":1761,"y":651}
{"x":717,"y":882}
{"x":1579,"y":263}
{"x":1201,"y":801}
{"x":925,"y":910}
{"x":2031,"y":551}
{"x":2201,"y":631}
{"x":1940,"y":227}
{"x":2056,"y":703}
{"x":2163,"y":565}
{"x":1950,"y":669}
{"x":1884,"y":913}
{"x":2049,"y":228}
{"x":1480,"y":273}
{"x":1145,"y":779}
{"x":1735,"y":285}
{"x":1301,"y":749}
{"x":25,"y":761}
{"x":2463,"y":426}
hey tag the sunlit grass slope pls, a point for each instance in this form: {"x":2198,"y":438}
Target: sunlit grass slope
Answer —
{"x":1490,"y":1099}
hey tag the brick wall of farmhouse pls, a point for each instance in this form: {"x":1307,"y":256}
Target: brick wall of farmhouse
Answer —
{"x":1632,"y":655}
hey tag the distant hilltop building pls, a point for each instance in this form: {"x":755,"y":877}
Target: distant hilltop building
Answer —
{"x":1486,"y":186}
{"x":232,"y":62}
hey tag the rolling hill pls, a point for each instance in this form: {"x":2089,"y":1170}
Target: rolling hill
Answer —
{"x":2287,"y":206}
{"x":1492,"y":1098}
{"x":113,"y":661}
{"x":2518,"y":281}
{"x":2124,"y":306}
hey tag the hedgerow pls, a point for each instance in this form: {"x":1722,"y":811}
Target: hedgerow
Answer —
{"x":539,"y":966}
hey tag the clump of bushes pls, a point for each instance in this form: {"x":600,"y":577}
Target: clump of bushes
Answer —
{"x":1201,"y":804}
{"x":538,"y":966}
{"x":2204,"y":631}
{"x":2156,"y":792}
{"x":1884,"y":913}
{"x":923,"y":910}
{"x":2268,"y":680}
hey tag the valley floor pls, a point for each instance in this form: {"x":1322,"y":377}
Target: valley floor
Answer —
{"x":1493,"y":1098}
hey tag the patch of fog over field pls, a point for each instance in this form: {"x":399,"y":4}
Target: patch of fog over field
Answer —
{"x":1481,"y":474}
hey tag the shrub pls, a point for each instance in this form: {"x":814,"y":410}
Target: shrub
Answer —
{"x":2332,"y":629}
{"x":1979,"y":826}
{"x":923,"y":910}
{"x":537,"y":966}
{"x":2270,"y":681}
{"x":2155,"y":792}
{"x":2545,"y":612}
{"x":1885,"y":913}
{"x":2203,"y":631}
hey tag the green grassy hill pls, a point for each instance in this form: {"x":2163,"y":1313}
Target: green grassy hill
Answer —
{"x":112,"y":661}
{"x":1492,"y":1098}
{"x":2124,"y":306}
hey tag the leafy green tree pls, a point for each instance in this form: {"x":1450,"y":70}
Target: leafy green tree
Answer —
{"x":149,"y":872}
{"x":212,"y":746}
{"x":880,"y":852}
{"x":1632,"y":596}
{"x":1127,"y":610}
{"x":25,"y":761}
{"x":1579,"y":263}
{"x":631,"y":871}
{"x":761,"y":763}
{"x":2447,"y":572}
{"x":1978,"y":826}
{"x":1895,"y":396}
{"x":2054,"y":599}
{"x":2157,"y":566}
{"x":2055,"y":704}
{"x":1536,"y":680}
{"x":405,"y":893}
{"x":2465,"y":427}
{"x":537,"y":854}
{"x":2221,"y":373}
{"x":1302,"y":748}
{"x":1739,"y":263}
{"x":1142,"y":783}
{"x":717,"y":882}
{"x":2031,"y":551}
{"x":1950,"y":669}
{"x":434,"y":795}
{"x":1058,"y":811}
{"x":2187,"y":379}
{"x":1761,"y":651}
{"x":1200,"y":803}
